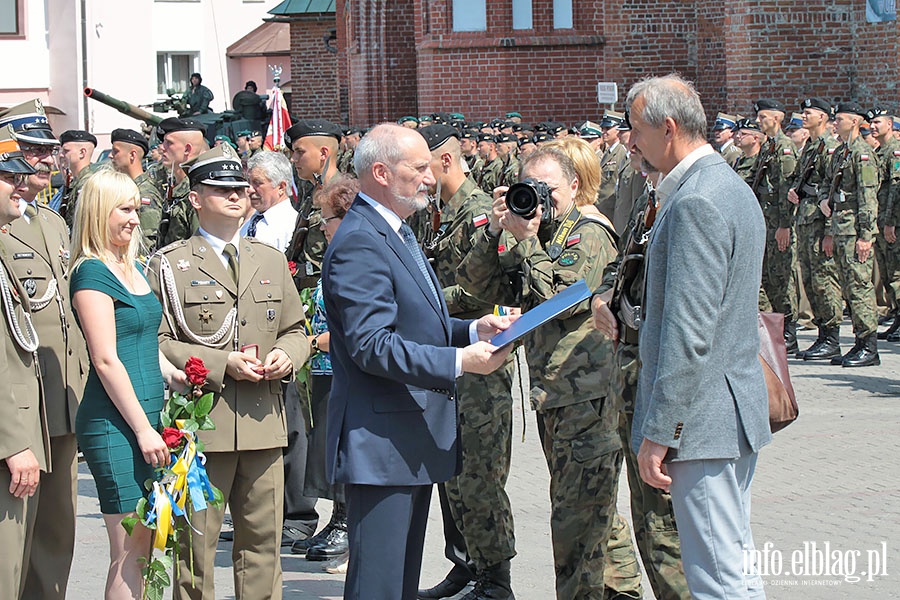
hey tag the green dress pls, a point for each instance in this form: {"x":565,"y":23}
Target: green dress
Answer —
{"x":110,"y":447}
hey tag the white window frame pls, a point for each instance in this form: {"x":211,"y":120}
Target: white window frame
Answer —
{"x":165,"y":78}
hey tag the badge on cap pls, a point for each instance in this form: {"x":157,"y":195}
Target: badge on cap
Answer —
{"x":183,"y":265}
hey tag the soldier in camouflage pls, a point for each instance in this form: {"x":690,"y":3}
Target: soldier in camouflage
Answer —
{"x":183,"y":141}
{"x":507,"y":147}
{"x":570,"y":362}
{"x":468,"y":142}
{"x":887,"y":251}
{"x":492,"y":171}
{"x":771,"y":182}
{"x":850,"y":204}
{"x":476,"y":497}
{"x":126,"y":156}
{"x":76,"y":150}
{"x":348,"y":145}
{"x":819,"y":271}
{"x":651,"y":508}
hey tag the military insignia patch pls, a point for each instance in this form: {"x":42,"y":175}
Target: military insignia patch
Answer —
{"x":896,"y":152}
{"x":219,"y":294}
{"x":30,"y":287}
{"x":863,"y":157}
{"x":64,"y":257}
{"x":501,"y":248}
{"x":270,"y":314}
{"x":786,"y":151}
{"x":183,"y":265}
{"x":480,"y":220}
{"x":573,"y":239}
{"x":569,"y":258}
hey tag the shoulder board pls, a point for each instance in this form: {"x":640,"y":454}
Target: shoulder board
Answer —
{"x":172,"y":246}
{"x":47,"y":209}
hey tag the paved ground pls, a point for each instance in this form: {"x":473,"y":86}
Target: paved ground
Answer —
{"x":828,"y":487}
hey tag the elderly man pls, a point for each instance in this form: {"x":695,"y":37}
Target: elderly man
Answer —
{"x":702,"y":409}
{"x":269,"y":174}
{"x":392,"y":416}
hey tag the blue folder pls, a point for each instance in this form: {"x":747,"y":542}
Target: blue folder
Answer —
{"x":542,"y":313}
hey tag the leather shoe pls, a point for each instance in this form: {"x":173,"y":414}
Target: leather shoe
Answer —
{"x":227,"y":535}
{"x":492,"y":583}
{"x":334,"y":544}
{"x":839,"y":360}
{"x":455,"y":582}
{"x":303,"y":546}
{"x":866,"y":355}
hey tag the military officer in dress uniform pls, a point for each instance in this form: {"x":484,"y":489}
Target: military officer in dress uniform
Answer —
{"x":722,"y":136}
{"x":230,"y":301}
{"x":183,"y":141}
{"x":611,"y":161}
{"x":24,"y":447}
{"x":38,"y":244}
{"x":126,"y":156}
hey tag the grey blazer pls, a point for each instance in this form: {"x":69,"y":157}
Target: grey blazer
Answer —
{"x":701,"y":382}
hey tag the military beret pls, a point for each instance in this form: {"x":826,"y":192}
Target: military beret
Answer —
{"x":497,"y":123}
{"x":505,"y":138}
{"x":29,"y":122}
{"x":468,"y":134}
{"x":440,"y":117}
{"x":724,"y":121}
{"x":541,"y":137}
{"x":130,"y":136}
{"x":352,"y":131}
{"x":255,"y":133}
{"x":226,"y":139}
{"x":11,"y":158}
{"x":611,"y":118}
{"x":479,"y":124}
{"x":406,"y":119}
{"x":818,"y":104}
{"x":746,"y":125}
{"x":458,"y":123}
{"x":316,"y":127}
{"x":436,"y":135}
{"x":77,"y":135}
{"x":590,"y":130}
{"x":768,"y":104}
{"x":219,"y":166}
{"x":529,"y":139}
{"x":796,"y":122}
{"x":513,"y":115}
{"x":173,"y":124}
{"x":542,"y":126}
{"x":850,"y":108}
{"x":243,"y":133}
{"x":486,"y":137}
{"x":428,"y":118}
{"x":878,"y":111}
{"x":556,"y":127}
{"x":457,"y":116}
{"x":517,"y":127}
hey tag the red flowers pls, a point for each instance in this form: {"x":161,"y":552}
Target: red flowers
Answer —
{"x":292,"y":266}
{"x":172,"y":437}
{"x":196,"y":371}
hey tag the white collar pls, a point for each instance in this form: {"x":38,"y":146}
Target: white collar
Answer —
{"x":393,"y":220}
{"x":670,"y":180}
{"x":218,"y":244}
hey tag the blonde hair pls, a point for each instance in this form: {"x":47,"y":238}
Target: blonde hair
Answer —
{"x":587,"y":167}
{"x":102,"y":192}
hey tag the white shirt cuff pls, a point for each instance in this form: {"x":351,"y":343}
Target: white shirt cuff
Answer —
{"x":473,"y":337}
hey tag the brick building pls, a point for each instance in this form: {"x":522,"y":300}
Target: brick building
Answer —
{"x":545,"y":57}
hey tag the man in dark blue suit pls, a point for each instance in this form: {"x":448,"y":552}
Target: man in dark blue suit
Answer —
{"x":396,"y":354}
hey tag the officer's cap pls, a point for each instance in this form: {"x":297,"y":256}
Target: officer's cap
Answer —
{"x":896,"y":124}
{"x":11,"y":158}
{"x":436,"y":135}
{"x":768,"y":104}
{"x":505,"y":138}
{"x":130,"y":136}
{"x":850,"y":108}
{"x":796,"y":122}
{"x":406,"y":119}
{"x":746,"y":125}
{"x":724,"y":121}
{"x":29,"y":122}
{"x":625,"y":125}
{"x":77,"y":135}
{"x":818,"y":104}
{"x":611,"y":118}
{"x":486,"y":137}
{"x":316,"y":127}
{"x":173,"y":124}
{"x":218,"y":166}
{"x":589,"y":130}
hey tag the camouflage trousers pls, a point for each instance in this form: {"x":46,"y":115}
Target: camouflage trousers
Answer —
{"x":856,"y":284}
{"x":582,"y":449}
{"x":778,"y":276}
{"x":820,"y":277}
{"x":651,"y":508}
{"x":888,"y":258}
{"x":477,"y":496}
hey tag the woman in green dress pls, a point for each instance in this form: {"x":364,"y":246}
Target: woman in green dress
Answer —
{"x":118,"y":421}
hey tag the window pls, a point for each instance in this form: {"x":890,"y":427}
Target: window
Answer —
{"x":469,"y":15}
{"x":522,"y":14}
{"x":11,"y":17}
{"x":173,"y":70}
{"x":562,"y":14}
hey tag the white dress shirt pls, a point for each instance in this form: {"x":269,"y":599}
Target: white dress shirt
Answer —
{"x":276,"y":228}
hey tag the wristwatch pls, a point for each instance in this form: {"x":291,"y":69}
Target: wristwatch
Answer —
{"x":315,"y":343}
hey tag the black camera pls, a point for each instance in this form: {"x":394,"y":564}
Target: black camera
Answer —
{"x":523,"y":199}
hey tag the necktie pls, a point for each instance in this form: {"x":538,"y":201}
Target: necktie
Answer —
{"x":231,"y":253}
{"x":30,"y":211}
{"x":409,"y":239}
{"x":251,"y":229}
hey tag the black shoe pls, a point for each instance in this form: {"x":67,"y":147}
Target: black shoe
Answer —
{"x":790,"y":336}
{"x":227,"y":535}
{"x":492,"y":583}
{"x":893,"y":337}
{"x":839,"y":360}
{"x":828,"y":345}
{"x":890,"y":332}
{"x":334,"y":544}
{"x":866,"y":355}
{"x":887,"y":319}
{"x":303,"y":546}
{"x":289,"y":535}
{"x":455,"y":581}
{"x":815,"y":345}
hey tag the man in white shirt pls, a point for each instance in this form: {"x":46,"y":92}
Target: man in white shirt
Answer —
{"x":269,"y":174}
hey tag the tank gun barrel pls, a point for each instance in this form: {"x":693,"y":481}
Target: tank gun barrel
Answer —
{"x":123,"y":107}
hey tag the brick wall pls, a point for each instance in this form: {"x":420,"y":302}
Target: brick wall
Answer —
{"x":314,"y":73}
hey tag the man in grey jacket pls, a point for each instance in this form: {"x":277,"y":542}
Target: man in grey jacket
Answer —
{"x":702,"y":409}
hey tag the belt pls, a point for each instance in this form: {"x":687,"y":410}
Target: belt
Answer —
{"x":627,"y":335}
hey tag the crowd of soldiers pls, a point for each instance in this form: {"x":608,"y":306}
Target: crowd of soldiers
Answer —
{"x":824,"y":178}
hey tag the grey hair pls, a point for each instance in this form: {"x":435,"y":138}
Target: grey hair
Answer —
{"x":379,"y":145}
{"x":670,"y":96}
{"x":542,"y":153}
{"x":274,"y":165}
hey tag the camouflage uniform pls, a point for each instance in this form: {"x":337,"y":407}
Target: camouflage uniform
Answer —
{"x":854,"y":218}
{"x":745,"y":167}
{"x":182,"y":218}
{"x":345,"y":162}
{"x":888,"y":255}
{"x":476,"y":164}
{"x":70,"y":195}
{"x":491,"y":175}
{"x":309,"y":258}
{"x":730,"y":153}
{"x":478,"y":500}
{"x":510,"y":173}
{"x":610,"y":163}
{"x":779,"y":159}
{"x":150,"y":212}
{"x":576,"y":422}
{"x":651,"y":508}
{"x":820,"y":278}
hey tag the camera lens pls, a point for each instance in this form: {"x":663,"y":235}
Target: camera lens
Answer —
{"x":522,"y":199}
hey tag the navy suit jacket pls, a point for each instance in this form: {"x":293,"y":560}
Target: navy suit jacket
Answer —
{"x":392,"y":415}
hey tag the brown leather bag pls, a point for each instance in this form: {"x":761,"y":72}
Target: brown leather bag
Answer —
{"x":783,"y":409}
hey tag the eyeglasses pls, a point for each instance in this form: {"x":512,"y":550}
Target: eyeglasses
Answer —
{"x":325,"y":220}
{"x":14,"y":179}
{"x":39,"y":151}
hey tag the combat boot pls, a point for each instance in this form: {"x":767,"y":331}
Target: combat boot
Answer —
{"x":790,"y":336}
{"x":336,"y":542}
{"x":338,"y":515}
{"x":455,"y":581}
{"x":826,"y":347}
{"x":866,"y":355}
{"x":890,"y":332}
{"x":839,"y":360}
{"x":492,"y":583}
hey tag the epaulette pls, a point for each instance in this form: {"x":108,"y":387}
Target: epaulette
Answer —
{"x":46,"y":207}
{"x":172,"y":246}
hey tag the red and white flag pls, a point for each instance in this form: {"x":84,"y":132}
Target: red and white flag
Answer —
{"x":281,"y":120}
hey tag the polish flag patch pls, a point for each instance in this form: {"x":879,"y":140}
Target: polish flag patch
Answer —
{"x":480,"y":220}
{"x":831,"y":150}
{"x":863,"y":157}
{"x":145,"y":201}
{"x":786,"y":151}
{"x":573,"y":239}
{"x":896,"y":152}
